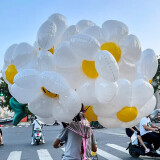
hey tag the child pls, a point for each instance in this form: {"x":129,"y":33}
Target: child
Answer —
{"x":130,"y":132}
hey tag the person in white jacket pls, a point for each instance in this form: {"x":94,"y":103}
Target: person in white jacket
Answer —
{"x":37,"y":125}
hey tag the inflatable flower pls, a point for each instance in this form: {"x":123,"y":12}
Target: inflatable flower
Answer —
{"x":77,"y":61}
{"x":101,"y":67}
{"x":126,"y":49}
{"x":48,"y":95}
{"x":17,"y":58}
{"x":133,"y":100}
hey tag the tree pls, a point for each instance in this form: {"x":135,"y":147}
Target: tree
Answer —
{"x":4,"y":94}
{"x":156,"y":78}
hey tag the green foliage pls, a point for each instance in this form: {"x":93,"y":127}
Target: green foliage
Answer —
{"x":4,"y":92}
{"x":156,"y":79}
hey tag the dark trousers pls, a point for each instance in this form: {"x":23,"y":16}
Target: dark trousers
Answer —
{"x":152,"y":138}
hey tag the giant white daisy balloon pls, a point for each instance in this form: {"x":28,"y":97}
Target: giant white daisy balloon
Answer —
{"x":113,"y":37}
{"x":48,"y":95}
{"x":17,"y":58}
{"x":99,"y":66}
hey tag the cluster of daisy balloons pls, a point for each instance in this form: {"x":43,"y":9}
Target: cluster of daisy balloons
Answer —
{"x":103,"y":67}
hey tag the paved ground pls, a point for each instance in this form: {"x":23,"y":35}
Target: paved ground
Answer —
{"x":111,"y":144}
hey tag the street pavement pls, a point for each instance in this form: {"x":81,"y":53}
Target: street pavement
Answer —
{"x":112,"y":144}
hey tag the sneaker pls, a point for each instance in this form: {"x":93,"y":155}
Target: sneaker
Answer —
{"x":147,"y":150}
{"x":32,"y":143}
{"x":43,"y":142}
{"x":157,"y":151}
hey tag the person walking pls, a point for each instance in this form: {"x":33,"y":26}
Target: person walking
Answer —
{"x":73,"y":142}
{"x":1,"y":139}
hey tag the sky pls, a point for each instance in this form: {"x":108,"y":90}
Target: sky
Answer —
{"x":21,"y":19}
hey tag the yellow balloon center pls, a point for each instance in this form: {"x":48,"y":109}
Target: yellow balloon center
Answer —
{"x":89,"y":114}
{"x":10,"y":73}
{"x":89,"y":69}
{"x":50,"y":50}
{"x":49,"y":94}
{"x":127,"y":114}
{"x":113,"y":48}
{"x":150,"y":81}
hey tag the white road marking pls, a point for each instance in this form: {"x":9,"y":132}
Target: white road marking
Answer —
{"x":44,"y":154}
{"x":112,"y":133}
{"x":107,"y":155}
{"x":15,"y":155}
{"x":104,"y":154}
{"x":122,"y":149}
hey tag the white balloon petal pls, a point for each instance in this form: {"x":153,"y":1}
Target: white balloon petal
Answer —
{"x":105,"y":91}
{"x":148,"y":108}
{"x":148,"y":64}
{"x":42,"y":106}
{"x":124,"y":94}
{"x":97,"y":33}
{"x":114,"y":30}
{"x":54,"y":82}
{"x":109,"y":122}
{"x":8,"y":54}
{"x":82,"y":25}
{"x":84,"y":46}
{"x":28,"y":79}
{"x":23,"y":54}
{"x":49,"y":121}
{"x":46,"y":35}
{"x":87,"y":93}
{"x":59,"y":20}
{"x":131,"y":49}
{"x":64,"y":56}
{"x":46,"y":61}
{"x":24,"y":96}
{"x":74,"y":76}
{"x":127,"y":70}
{"x":107,"y":66}
{"x":69,"y":32}
{"x":71,"y":102}
{"x":142,"y":91}
{"x":105,"y":110}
